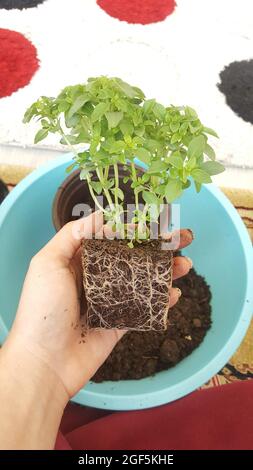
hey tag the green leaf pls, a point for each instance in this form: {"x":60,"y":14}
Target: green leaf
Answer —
{"x":63,"y":106}
{"x":176,"y":161}
{"x":201,"y":176}
{"x":196,"y":146}
{"x":138,"y":140}
{"x":139,"y":92}
{"x":145,"y":178}
{"x":126,"y":88}
{"x":78,"y":103}
{"x":41,"y":134}
{"x":161,"y":190}
{"x":114,"y":118}
{"x":71,"y":167}
{"x":29,"y":114}
{"x":109,"y":184}
{"x":173,"y":190}
{"x":117,"y":146}
{"x":126,"y":127}
{"x":157,"y":167}
{"x":175,"y":138}
{"x":191,"y":164}
{"x":191,"y":113}
{"x":148,"y":106}
{"x":118,"y":193}
{"x":72,"y":139}
{"x":159,"y":111}
{"x":140,"y":131}
{"x":210,"y":131}
{"x":86,"y":125}
{"x":45,"y":124}
{"x":174,"y":126}
{"x":183,"y":128}
{"x":96,"y":130}
{"x":195,"y":127}
{"x":130,"y":245}
{"x":209,"y":151}
{"x":187,"y":184}
{"x":212,"y":168}
{"x":149,"y":198}
{"x":73,"y":121}
{"x":99,"y":111}
{"x":84,"y":173}
{"x":126,"y":179}
{"x":152,"y":145}
{"x":198,"y":186}
{"x":97,"y":186}
{"x":83,"y":157}
{"x":143,"y":155}
{"x":174,"y":172}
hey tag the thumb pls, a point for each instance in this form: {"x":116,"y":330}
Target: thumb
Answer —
{"x":67,"y":241}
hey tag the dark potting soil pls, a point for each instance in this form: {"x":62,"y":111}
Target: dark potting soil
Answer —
{"x":140,"y":354}
{"x":19,"y":4}
{"x":237,"y":86}
{"x":3,"y":191}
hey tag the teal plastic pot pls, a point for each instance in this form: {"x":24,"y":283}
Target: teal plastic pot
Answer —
{"x":222,"y":252}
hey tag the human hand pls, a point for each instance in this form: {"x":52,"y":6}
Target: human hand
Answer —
{"x":48,"y":323}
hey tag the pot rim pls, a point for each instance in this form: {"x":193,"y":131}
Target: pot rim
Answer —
{"x":61,"y":189}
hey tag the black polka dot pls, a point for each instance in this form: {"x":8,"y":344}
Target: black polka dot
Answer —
{"x":19,"y":4}
{"x":237,"y":85}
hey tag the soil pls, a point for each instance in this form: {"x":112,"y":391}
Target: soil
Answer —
{"x":126,"y":288}
{"x":237,"y":86}
{"x":141,"y":354}
{"x":3,"y":191}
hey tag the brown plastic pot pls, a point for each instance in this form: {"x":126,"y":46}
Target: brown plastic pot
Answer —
{"x":74,"y":191}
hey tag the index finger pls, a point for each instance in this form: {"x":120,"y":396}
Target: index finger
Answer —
{"x":185,"y":238}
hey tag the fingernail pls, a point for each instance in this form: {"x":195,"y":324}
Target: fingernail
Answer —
{"x":191,"y":232}
{"x":189,"y":261}
{"x":179,"y":292}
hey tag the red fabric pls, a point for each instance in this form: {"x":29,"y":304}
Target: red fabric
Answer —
{"x":215,"y":418}
{"x":18,"y":61}
{"x":138,"y":11}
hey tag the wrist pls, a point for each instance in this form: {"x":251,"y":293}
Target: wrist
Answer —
{"x":22,"y":365}
{"x":35,"y":398}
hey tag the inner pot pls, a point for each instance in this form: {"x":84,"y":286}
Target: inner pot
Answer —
{"x":74,"y":193}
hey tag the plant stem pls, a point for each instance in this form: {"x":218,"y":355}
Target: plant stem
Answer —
{"x":143,"y":221}
{"x":116,"y":174}
{"x":119,"y":225}
{"x":88,"y":177}
{"x":106,"y":173}
{"x":134,"y":178}
{"x":94,"y":196}
{"x":106,"y":191}
{"x":68,"y":143}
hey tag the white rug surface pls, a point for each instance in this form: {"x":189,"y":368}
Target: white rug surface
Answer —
{"x":177,"y":61}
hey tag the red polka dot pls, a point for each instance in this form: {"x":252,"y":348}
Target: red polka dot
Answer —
{"x":138,"y":11}
{"x":18,"y":61}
